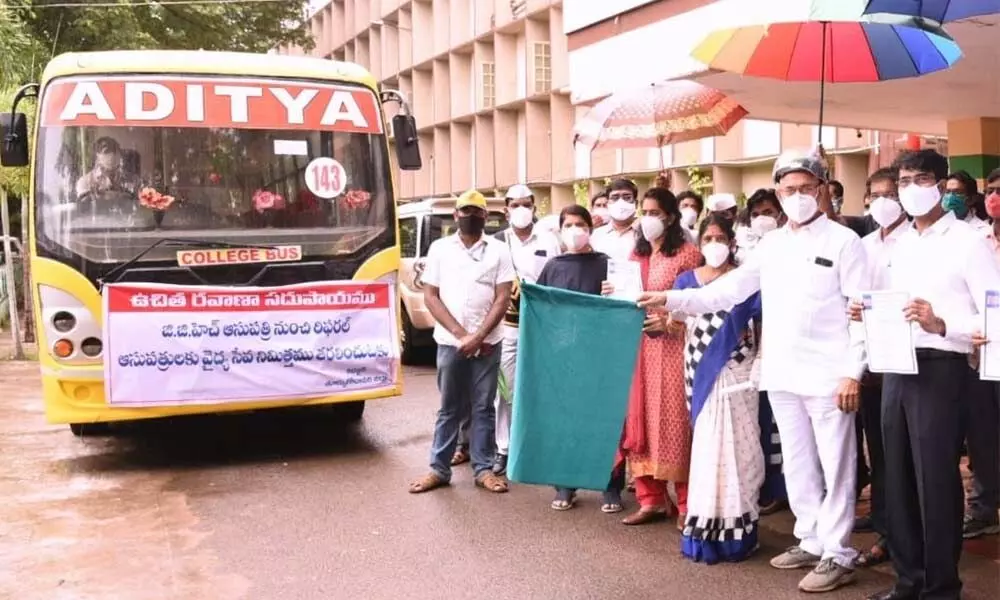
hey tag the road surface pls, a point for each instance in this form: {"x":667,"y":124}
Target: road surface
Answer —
{"x":296,"y":507}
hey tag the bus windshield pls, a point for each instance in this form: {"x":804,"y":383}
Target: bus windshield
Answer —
{"x":105,"y":191}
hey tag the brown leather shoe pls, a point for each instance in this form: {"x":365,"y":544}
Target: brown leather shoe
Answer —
{"x":645,"y":515}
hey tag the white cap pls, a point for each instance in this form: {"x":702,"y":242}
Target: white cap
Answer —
{"x":720,"y":202}
{"x":518,"y":191}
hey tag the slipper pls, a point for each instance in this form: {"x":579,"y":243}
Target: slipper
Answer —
{"x":612,"y":502}
{"x":874,"y":556}
{"x":490,"y":482}
{"x":565,"y":499}
{"x":428,"y":482}
{"x":461,"y":456}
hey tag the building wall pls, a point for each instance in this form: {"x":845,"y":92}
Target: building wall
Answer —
{"x":487,"y":81}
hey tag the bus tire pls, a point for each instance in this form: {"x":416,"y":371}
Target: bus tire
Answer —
{"x":90,"y":429}
{"x":350,"y":412}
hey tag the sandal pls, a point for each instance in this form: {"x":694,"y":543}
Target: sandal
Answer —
{"x":461,"y":456}
{"x":489,"y":481}
{"x":565,"y":499}
{"x":428,"y":482}
{"x":681,"y":521}
{"x":874,"y":556}
{"x":645,"y":515}
{"x":612,"y":502}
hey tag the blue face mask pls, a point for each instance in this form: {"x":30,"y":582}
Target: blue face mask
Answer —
{"x":955,"y":203}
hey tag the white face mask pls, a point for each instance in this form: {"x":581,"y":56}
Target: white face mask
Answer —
{"x":652,"y":228}
{"x":575,"y":238}
{"x":689,"y":217}
{"x":620,"y":210}
{"x":603,"y":212}
{"x":918,"y":200}
{"x":763,"y":224}
{"x":800,"y":207}
{"x":715,"y":254}
{"x":885,"y":211}
{"x":521,"y":217}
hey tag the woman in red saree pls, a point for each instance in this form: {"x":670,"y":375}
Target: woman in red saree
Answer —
{"x":657,"y":438}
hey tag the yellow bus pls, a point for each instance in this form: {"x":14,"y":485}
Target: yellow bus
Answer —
{"x":210,"y":232}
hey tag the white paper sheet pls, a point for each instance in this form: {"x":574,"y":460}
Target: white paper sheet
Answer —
{"x":888,"y":335}
{"x":626,"y":278}
{"x":989,"y":358}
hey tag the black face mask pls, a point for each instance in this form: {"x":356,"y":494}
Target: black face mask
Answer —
{"x":471,"y":224}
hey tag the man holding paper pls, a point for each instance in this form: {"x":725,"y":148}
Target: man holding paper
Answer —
{"x":811,"y":364}
{"x":946,"y":269}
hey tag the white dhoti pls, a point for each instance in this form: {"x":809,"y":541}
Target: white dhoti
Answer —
{"x":508,"y":362}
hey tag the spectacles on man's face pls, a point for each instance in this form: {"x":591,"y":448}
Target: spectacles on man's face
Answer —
{"x":626,"y":196}
{"x":808,"y":189}
{"x":921,"y":179}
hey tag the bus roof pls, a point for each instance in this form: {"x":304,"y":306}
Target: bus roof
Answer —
{"x":203,"y":62}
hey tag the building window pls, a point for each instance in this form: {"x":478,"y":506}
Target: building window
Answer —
{"x":408,"y":237}
{"x":543,"y":67}
{"x":488,"y":85}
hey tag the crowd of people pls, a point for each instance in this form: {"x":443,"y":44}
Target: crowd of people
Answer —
{"x":751,"y":390}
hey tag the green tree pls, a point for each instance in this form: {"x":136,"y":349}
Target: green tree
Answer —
{"x":236,"y":26}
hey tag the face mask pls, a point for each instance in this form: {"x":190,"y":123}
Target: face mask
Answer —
{"x":993,"y":206}
{"x":918,"y":200}
{"x":800,"y":207}
{"x":885,"y":211}
{"x":521,"y":217}
{"x":688,"y":217}
{"x":955,"y":203}
{"x":715,"y":254}
{"x":621,"y":210}
{"x":575,"y":238}
{"x":652,"y":228}
{"x":603,"y":212}
{"x":763,"y":224}
{"x":471,"y":224}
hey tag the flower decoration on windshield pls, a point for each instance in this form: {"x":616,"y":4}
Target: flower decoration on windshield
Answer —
{"x":154,"y":200}
{"x":357,"y":199}
{"x":264,"y":200}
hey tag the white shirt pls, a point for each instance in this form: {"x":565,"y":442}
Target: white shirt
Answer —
{"x":618,"y":245}
{"x":976,"y":223}
{"x":805,"y":277}
{"x":467,"y":279}
{"x":950,"y":266}
{"x":879,"y":253}
{"x":527,"y":265}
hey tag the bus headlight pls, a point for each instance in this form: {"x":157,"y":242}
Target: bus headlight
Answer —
{"x":72,"y":332}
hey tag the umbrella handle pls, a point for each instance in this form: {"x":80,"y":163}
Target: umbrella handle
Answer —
{"x":822,"y":85}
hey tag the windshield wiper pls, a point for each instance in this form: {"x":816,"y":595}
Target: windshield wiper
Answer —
{"x":114,"y":274}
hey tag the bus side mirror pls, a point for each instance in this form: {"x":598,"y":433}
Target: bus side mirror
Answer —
{"x":13,"y":139}
{"x":404,"y":128}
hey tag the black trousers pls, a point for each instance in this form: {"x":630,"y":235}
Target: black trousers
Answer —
{"x":983,"y":435}
{"x":923,"y":425}
{"x":871,"y":422}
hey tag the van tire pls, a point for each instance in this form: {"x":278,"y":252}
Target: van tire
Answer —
{"x":409,"y":351}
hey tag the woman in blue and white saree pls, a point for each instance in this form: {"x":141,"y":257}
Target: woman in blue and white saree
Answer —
{"x":727,"y":466}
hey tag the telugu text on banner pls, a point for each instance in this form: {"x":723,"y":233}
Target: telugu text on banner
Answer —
{"x":178,"y":345}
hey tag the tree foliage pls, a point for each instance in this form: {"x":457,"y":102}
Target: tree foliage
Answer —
{"x":235,"y":26}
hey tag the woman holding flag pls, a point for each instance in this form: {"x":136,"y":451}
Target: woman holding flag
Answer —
{"x":727,"y":467}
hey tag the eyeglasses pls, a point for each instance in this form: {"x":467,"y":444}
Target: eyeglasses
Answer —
{"x":808,"y":189}
{"x":921,"y":179}
{"x":626,"y":196}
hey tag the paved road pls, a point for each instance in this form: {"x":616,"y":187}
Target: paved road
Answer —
{"x":295,"y":507}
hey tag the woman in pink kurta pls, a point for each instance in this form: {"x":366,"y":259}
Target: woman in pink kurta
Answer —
{"x":657,"y":438}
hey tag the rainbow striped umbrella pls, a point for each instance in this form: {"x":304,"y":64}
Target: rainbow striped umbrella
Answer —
{"x":942,"y":11}
{"x":829,"y":41}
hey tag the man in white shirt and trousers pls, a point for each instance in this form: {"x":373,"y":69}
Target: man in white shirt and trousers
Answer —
{"x":811,"y":363}
{"x":946,"y":268}
{"x":617,"y":238}
{"x":530,"y":247}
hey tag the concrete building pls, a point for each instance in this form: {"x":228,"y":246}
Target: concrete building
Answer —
{"x":487,"y":80}
{"x":957,"y":109}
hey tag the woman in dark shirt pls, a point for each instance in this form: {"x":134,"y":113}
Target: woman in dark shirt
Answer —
{"x":582,"y":270}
